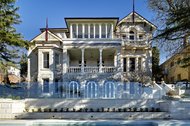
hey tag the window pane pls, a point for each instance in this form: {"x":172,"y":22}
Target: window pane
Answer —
{"x":46,"y":59}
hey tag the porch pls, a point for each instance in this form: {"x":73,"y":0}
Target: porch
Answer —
{"x":92,"y":60}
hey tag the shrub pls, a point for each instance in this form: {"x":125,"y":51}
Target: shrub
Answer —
{"x":171,"y":93}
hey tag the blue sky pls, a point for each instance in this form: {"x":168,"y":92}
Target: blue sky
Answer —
{"x":34,"y":12}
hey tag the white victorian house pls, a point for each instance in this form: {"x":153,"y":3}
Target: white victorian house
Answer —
{"x":95,"y":57}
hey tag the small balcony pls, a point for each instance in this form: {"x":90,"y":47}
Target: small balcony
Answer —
{"x":137,"y":42}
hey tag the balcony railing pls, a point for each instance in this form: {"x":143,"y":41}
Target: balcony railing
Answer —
{"x":137,"y":42}
{"x":92,"y":69}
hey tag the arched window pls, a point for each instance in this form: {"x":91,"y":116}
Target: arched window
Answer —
{"x":131,"y":35}
{"x":74,"y":89}
{"x":91,"y":89}
{"x":109,"y":89}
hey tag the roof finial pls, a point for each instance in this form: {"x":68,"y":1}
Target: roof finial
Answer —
{"x":46,"y":35}
{"x":133,"y":11}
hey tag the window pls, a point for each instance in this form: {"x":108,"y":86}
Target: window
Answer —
{"x":124,"y":36}
{"x":56,"y":85}
{"x":103,"y":31}
{"x":91,"y":31}
{"x":80,"y":31}
{"x":124,"y":65}
{"x":132,"y":64}
{"x":140,"y":37}
{"x":131,"y":35}
{"x":46,"y":59}
{"x":46,"y":85}
{"x":57,"y":60}
{"x":86,"y":31}
{"x":97,"y":31}
{"x":74,"y":31}
{"x":109,"y":31}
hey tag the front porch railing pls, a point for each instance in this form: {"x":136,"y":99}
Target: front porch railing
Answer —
{"x":74,"y":70}
{"x":108,"y":69}
{"x":88,"y":69}
{"x":91,"y":69}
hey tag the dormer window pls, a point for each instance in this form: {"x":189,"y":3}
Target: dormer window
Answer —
{"x":131,"y":35}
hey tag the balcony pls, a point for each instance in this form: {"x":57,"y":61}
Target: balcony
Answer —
{"x":106,"y":69}
{"x":137,"y":42}
{"x":92,"y":60}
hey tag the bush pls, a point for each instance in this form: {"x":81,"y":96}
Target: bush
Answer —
{"x":171,"y":93}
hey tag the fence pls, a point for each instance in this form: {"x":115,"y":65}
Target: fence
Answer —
{"x":89,"y":90}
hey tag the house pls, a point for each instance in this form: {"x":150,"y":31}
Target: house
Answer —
{"x":172,"y":69}
{"x":92,"y":57}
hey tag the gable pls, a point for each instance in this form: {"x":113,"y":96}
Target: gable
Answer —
{"x":42,"y":37}
{"x":137,"y":18}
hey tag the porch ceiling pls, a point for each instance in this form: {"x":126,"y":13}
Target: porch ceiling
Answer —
{"x":91,"y":53}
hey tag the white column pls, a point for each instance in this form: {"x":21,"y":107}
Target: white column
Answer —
{"x":136,"y":63}
{"x":83,"y":30}
{"x":100,"y":62}
{"x":143,"y":63}
{"x":71,"y":31}
{"x":82,"y":63}
{"x":100,"y":30}
{"x":94,"y":30}
{"x":65,"y":60}
{"x":111,"y":30}
{"x":77,"y":30}
{"x":128,"y":64}
{"x":88,"y":30}
{"x":106,"y":30}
